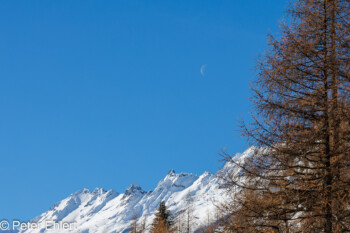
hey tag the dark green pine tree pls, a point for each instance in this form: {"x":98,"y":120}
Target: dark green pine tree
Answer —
{"x":163,"y":219}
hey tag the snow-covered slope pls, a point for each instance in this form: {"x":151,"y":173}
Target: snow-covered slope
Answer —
{"x":108,"y":211}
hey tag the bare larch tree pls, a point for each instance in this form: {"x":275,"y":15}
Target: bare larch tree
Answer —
{"x":299,"y":179}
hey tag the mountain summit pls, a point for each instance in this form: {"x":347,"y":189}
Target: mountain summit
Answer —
{"x":108,"y":211}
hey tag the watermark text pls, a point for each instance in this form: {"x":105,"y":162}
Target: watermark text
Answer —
{"x":47,"y":225}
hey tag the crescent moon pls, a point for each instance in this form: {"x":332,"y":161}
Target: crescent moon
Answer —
{"x":202,"y":70}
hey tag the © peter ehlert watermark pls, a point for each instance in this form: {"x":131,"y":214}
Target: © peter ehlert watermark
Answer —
{"x":47,"y":225}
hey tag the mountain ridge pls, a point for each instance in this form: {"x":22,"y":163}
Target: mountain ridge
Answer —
{"x":100,"y":210}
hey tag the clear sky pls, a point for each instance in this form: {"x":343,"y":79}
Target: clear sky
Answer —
{"x":106,"y":93}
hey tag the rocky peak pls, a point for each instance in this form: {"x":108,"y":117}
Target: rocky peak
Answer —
{"x":134,"y":189}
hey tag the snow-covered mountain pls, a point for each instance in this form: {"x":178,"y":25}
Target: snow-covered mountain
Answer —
{"x":109,"y":211}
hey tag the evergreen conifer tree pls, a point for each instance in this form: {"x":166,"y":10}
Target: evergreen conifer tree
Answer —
{"x":162,"y":222}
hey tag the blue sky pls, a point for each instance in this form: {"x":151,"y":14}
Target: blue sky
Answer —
{"x":106,"y":93}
